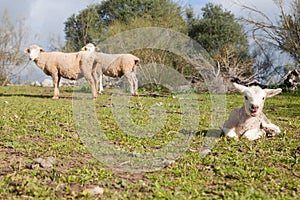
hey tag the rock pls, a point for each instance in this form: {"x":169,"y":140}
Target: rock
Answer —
{"x":45,"y":163}
{"x":35,"y":83}
{"x":67,"y":83}
{"x":63,"y":82}
{"x":292,"y":79}
{"x":94,"y":190}
{"x":47,"y":83}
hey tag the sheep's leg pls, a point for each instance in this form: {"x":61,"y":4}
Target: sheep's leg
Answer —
{"x":230,"y":133}
{"x":91,"y":81}
{"x":88,"y":70}
{"x":130,"y":80}
{"x":93,"y":87}
{"x":135,"y":82}
{"x":90,"y":76}
{"x":56,"y":80}
{"x":95,"y":78}
{"x":254,"y":134}
{"x":100,"y":83}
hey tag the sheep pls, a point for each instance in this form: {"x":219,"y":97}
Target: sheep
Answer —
{"x":115,"y":65}
{"x":67,"y":65}
{"x":249,"y":120}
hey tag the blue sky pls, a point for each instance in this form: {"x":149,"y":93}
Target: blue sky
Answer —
{"x":45,"y":18}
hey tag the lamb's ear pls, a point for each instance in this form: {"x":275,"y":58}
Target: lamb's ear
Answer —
{"x":42,"y":50}
{"x":272,"y":92}
{"x":240,"y":88}
{"x":27,"y":51}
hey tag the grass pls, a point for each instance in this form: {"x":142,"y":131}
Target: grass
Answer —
{"x":32,"y":125}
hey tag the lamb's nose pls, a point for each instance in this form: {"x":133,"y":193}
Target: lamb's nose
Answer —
{"x":254,"y":107}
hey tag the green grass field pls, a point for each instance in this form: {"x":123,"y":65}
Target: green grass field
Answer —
{"x":32,"y":126}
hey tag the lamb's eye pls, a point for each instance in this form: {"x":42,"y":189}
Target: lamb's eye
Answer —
{"x":263,"y":98}
{"x":246,"y":98}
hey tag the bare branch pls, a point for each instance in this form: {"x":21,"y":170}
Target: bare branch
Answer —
{"x":285,"y":33}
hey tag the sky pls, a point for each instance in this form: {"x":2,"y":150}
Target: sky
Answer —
{"x":45,"y":19}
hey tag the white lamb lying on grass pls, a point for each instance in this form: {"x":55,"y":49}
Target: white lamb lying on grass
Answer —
{"x":249,"y":120}
{"x":115,"y":65}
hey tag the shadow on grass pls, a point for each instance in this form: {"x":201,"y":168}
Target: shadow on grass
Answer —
{"x":43,"y":96}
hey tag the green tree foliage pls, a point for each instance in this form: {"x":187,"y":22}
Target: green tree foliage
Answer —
{"x":216,"y":29}
{"x":99,"y":21}
{"x":82,"y":28}
{"x":223,"y":38}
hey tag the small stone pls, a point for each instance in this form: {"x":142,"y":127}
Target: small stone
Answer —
{"x":94,"y":190}
{"x":45,"y":163}
{"x":205,"y":151}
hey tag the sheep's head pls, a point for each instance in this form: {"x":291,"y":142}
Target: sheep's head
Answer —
{"x":34,"y":52}
{"x":255,"y":98}
{"x":89,"y":47}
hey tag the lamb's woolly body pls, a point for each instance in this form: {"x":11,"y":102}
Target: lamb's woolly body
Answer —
{"x":253,"y":126}
{"x":240,"y":122}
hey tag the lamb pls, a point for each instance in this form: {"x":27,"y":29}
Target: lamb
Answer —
{"x":115,"y":65}
{"x":67,"y":65}
{"x":249,"y":120}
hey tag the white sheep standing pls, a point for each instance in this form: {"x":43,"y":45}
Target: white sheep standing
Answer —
{"x":115,"y":65}
{"x":249,"y":120}
{"x":67,"y":65}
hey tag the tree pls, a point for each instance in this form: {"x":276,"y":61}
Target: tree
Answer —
{"x":82,"y":28}
{"x":283,"y":35}
{"x":216,"y":29}
{"x":12,"y":58}
{"x":223,"y":38}
{"x":99,"y":21}
{"x":289,"y":32}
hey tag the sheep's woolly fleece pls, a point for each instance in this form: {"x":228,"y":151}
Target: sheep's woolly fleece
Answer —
{"x":67,"y":65}
{"x":115,"y":65}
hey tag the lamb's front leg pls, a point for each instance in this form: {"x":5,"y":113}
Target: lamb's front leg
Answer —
{"x":229,"y":132}
{"x":270,"y":129}
{"x":254,"y":134}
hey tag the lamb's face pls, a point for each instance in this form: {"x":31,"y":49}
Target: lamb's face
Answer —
{"x":89,"y":47}
{"x":255,"y":98}
{"x":34,"y":52}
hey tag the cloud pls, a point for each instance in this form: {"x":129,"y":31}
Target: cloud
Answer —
{"x":16,"y":9}
{"x":235,"y":6}
{"x":43,"y":17}
{"x":48,"y":17}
